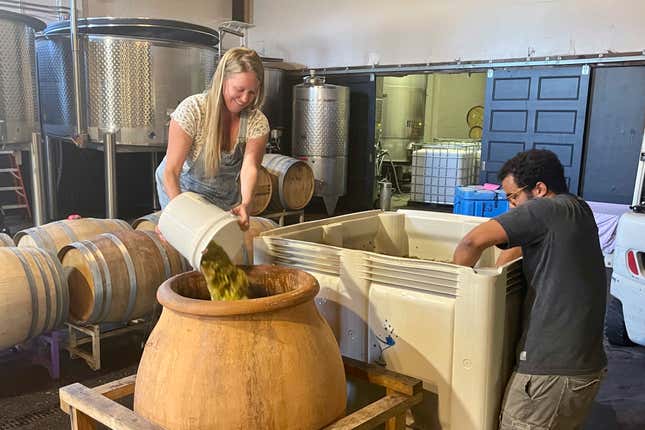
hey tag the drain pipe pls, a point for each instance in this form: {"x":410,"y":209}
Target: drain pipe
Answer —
{"x":80,"y":139}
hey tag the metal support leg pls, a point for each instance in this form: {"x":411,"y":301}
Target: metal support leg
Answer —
{"x":154,"y":158}
{"x":51,"y":188}
{"x":109,"y":152}
{"x":38,"y":204}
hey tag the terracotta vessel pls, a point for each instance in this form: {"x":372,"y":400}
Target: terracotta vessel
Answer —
{"x":265,"y":363}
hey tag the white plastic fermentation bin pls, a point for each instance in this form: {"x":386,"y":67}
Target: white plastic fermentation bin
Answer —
{"x":391,"y":296}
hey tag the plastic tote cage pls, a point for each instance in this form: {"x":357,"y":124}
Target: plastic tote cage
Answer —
{"x":439,"y":167}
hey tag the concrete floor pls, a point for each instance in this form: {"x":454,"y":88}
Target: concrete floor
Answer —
{"x":29,"y":397}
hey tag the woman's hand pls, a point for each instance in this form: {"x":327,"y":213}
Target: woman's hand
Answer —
{"x":241,"y":211}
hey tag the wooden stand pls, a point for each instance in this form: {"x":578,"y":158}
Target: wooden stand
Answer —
{"x":280,"y":216}
{"x":94,"y":336}
{"x":89,"y":406}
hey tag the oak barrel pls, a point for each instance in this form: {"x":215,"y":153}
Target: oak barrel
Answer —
{"x":33,"y":294}
{"x":293,"y":182}
{"x":57,"y":234}
{"x":262,"y":193}
{"x":114,"y":277}
{"x":257,"y":225}
{"x":147,"y":222}
{"x":6,"y":240}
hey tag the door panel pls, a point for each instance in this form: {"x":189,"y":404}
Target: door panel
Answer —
{"x":615,"y":132}
{"x":535,"y":108}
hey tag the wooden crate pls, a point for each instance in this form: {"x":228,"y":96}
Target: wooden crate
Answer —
{"x":89,"y":406}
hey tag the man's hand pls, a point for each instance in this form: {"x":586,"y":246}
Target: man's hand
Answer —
{"x":241,"y":211}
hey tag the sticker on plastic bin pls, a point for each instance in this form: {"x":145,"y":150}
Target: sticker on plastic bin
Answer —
{"x":385,"y":341}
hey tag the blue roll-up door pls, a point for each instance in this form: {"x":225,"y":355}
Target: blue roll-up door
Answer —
{"x":542,"y":108}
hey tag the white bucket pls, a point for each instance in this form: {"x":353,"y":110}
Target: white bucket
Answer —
{"x":190,"y":222}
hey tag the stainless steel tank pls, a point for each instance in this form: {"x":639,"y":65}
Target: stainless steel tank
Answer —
{"x":403,"y":115}
{"x":18,"y":96}
{"x":320,"y":128}
{"x":134,"y":72}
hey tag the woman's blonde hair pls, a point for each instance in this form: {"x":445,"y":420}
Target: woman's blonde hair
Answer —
{"x":236,"y":60}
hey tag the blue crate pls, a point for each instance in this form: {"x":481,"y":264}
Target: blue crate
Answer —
{"x":475,"y":200}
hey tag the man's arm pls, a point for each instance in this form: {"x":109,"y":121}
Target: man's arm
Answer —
{"x":477,"y":240}
{"x":509,"y":255}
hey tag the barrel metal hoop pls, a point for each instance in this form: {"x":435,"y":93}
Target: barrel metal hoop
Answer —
{"x":70,"y":233}
{"x":132,"y":274}
{"x":32,"y":289}
{"x":84,"y":249}
{"x":45,"y":284}
{"x":41,"y":242}
{"x":281,"y":189}
{"x":164,"y":256}
{"x":107,"y":285}
{"x":122,"y":223}
{"x":184,"y":264}
{"x":272,"y":167}
{"x":56,"y":271}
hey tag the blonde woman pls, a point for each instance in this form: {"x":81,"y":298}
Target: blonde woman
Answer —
{"x":217,"y":139}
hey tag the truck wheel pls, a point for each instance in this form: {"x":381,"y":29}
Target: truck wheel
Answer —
{"x":615,"y":324}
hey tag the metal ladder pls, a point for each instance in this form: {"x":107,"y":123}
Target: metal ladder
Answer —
{"x":17,"y":184}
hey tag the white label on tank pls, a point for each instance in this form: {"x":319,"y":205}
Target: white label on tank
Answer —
{"x":523,"y":356}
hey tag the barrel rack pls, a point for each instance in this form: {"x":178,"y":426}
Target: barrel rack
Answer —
{"x":94,"y":335}
{"x":88,"y":407}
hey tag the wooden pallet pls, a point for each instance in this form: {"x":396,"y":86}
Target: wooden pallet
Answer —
{"x":89,"y":406}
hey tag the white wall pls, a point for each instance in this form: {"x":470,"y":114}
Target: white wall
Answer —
{"x":343,"y":33}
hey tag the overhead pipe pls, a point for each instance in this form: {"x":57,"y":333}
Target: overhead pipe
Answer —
{"x":80,"y":139}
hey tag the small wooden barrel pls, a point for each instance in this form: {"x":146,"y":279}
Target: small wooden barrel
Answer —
{"x":6,"y":240}
{"x":262,"y":193}
{"x":33,"y":294}
{"x":148,"y":222}
{"x":114,"y":277}
{"x":256,"y":226}
{"x":293,"y":182}
{"x":56,"y":235}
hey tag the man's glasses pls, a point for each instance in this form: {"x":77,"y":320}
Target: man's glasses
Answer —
{"x":513,"y":196}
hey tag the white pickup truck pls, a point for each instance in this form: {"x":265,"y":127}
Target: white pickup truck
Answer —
{"x":625,"y":321}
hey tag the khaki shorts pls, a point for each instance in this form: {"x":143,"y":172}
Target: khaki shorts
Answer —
{"x":548,"y":402}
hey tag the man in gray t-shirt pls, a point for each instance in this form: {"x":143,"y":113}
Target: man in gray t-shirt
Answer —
{"x":560,"y":356}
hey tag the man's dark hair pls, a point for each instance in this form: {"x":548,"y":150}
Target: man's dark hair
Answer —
{"x":533,"y":166}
